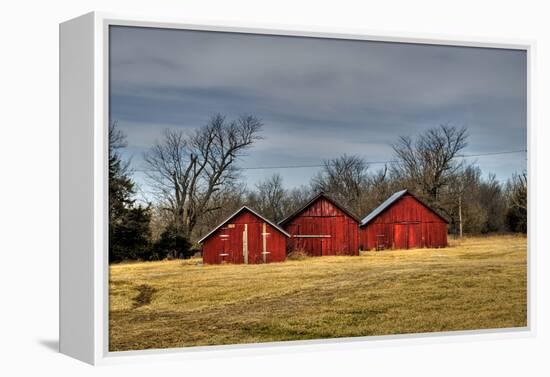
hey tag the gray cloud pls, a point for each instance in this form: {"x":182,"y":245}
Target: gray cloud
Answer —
{"x":318,"y":97}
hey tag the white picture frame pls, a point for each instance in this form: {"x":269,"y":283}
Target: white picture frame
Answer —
{"x":84,"y":101}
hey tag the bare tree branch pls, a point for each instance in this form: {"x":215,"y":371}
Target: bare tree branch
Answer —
{"x":187,"y":170}
{"x":430,"y":161}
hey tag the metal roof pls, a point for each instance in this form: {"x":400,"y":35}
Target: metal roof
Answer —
{"x":235,"y":214}
{"x":313,"y":200}
{"x":378,"y":210}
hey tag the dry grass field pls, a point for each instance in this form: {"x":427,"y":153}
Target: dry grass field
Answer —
{"x":477,"y":283}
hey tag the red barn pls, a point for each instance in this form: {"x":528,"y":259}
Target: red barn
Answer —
{"x":244,"y":237}
{"x":323,"y":227}
{"x":403,"y":222}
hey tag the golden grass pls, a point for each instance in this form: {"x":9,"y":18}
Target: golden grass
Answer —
{"x":477,"y":283}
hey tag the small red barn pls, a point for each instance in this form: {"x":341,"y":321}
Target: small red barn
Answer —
{"x":244,"y":237}
{"x":323,"y":227}
{"x":403,"y":222}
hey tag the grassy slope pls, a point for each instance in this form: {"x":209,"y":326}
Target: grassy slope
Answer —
{"x":475,"y":284}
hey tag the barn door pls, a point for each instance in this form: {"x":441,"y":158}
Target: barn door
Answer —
{"x":223,"y":254}
{"x":400,"y":236}
{"x":255,"y":243}
{"x":324,"y":247}
{"x":231,"y":244}
{"x":325,"y":234}
{"x":407,"y":236}
{"x":313,"y":244}
{"x":414,"y":237}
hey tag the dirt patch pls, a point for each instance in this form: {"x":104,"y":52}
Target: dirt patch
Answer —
{"x":144,"y":296}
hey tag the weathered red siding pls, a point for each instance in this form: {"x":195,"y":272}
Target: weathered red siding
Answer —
{"x":229,"y":239}
{"x":406,"y":224}
{"x":331,"y":231}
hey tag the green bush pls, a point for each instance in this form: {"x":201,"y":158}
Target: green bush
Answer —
{"x":129,"y":235}
{"x":172,"y":244}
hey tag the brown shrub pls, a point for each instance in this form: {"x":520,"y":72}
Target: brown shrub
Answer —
{"x":297,"y":255}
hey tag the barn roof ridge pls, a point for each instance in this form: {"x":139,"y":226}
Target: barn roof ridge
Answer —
{"x":244,"y":207}
{"x":392,"y":199}
{"x":320,"y":194}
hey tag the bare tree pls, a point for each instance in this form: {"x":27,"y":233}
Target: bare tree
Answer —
{"x":270,"y":198}
{"x":228,"y":200}
{"x":462,"y":202}
{"x":297,"y":197}
{"x":491,"y":197}
{"x":430,"y":161}
{"x":345,"y":178}
{"x":380,"y":186}
{"x":516,"y":193}
{"x":188,"y":169}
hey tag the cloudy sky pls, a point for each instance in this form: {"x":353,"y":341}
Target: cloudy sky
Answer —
{"x":318,"y":98}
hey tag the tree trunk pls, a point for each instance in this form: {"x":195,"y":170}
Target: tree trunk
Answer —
{"x":460,"y":216}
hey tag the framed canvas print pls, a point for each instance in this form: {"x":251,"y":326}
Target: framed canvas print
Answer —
{"x":226,"y":187}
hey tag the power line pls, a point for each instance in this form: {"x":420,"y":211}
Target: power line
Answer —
{"x":367,"y":162}
{"x":492,"y":153}
{"x":376,"y":162}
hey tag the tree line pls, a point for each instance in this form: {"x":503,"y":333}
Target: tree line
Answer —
{"x":196,"y":182}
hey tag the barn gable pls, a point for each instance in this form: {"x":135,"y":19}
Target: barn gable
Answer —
{"x":323,"y":227}
{"x":243,"y":208}
{"x":309,"y":209}
{"x":392,"y":200}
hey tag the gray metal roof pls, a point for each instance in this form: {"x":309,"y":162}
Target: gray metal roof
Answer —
{"x":382,"y":207}
{"x":235,"y":214}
